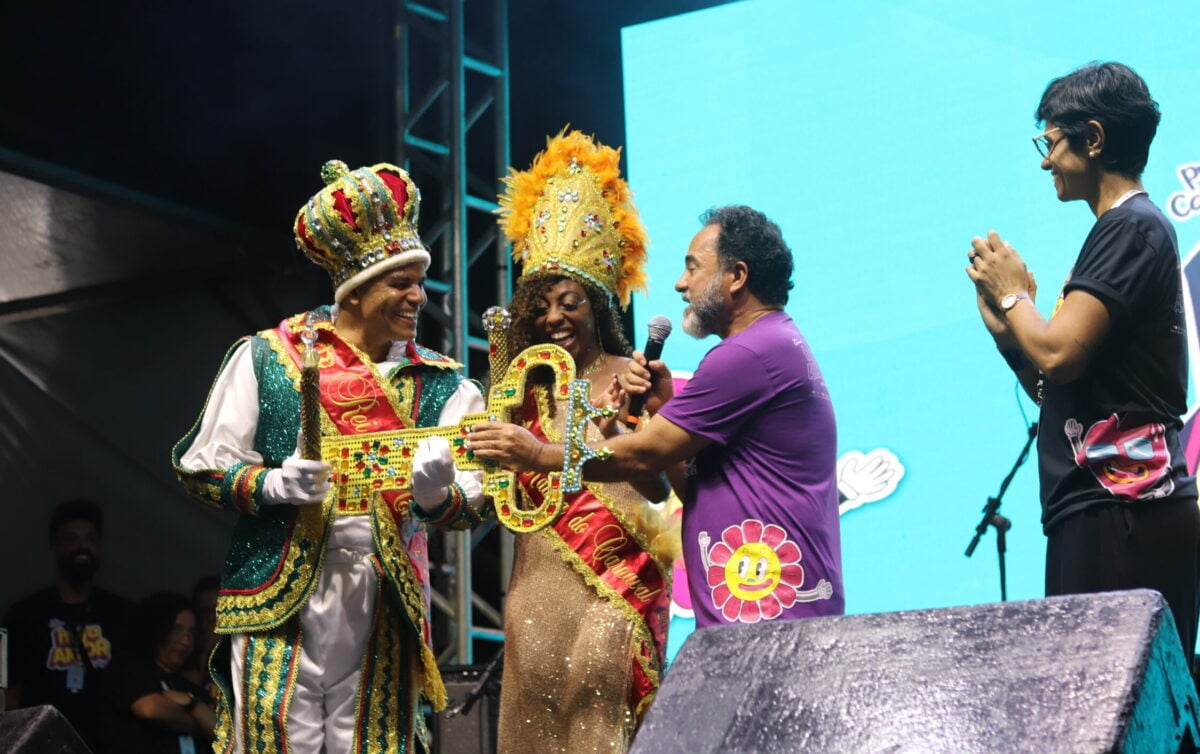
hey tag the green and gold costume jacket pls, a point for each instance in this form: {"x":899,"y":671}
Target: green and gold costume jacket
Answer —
{"x":277,"y":551}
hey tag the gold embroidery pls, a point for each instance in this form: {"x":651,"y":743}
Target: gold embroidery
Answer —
{"x":644,"y":638}
{"x":608,"y":541}
{"x":283,"y":597}
{"x":296,"y":324}
{"x":383,"y":713}
{"x":641,"y":631}
{"x":602,"y":490}
{"x":354,"y":394}
{"x":271,"y":683}
{"x":397,"y":564}
{"x":578,"y":524}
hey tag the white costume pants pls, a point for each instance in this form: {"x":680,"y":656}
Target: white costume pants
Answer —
{"x":335,"y":627}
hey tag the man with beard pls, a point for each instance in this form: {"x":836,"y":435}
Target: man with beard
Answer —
{"x":61,"y":638}
{"x":755,"y":424}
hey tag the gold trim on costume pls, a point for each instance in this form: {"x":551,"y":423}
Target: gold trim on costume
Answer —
{"x":640,"y":629}
{"x":268,"y":602}
{"x":296,"y":325}
{"x":396,"y":561}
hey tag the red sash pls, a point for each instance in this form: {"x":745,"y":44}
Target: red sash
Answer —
{"x":605,"y":546}
{"x":350,"y":393}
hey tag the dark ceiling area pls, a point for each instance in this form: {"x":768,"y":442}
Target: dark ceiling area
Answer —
{"x":152,"y":158}
{"x":230,"y":108}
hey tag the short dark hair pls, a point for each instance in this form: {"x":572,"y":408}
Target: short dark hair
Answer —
{"x":749,"y":236}
{"x":74,"y":510}
{"x":1113,"y":95}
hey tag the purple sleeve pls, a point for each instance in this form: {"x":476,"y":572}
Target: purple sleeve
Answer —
{"x":728,"y":388}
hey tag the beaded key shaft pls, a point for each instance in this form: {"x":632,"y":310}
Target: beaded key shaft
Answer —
{"x":310,"y":398}
{"x":369,"y":463}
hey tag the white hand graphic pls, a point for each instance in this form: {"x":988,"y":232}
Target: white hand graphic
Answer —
{"x":822,"y":591}
{"x":1074,"y":432}
{"x":867,"y":477}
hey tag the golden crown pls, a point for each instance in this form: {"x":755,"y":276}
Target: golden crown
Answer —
{"x":572,"y":213}
{"x":363,"y":223}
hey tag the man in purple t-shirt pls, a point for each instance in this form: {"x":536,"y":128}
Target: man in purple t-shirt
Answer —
{"x":755,"y":426}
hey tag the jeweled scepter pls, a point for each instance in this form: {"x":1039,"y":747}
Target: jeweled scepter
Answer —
{"x":310,"y":396}
{"x":496,"y":321}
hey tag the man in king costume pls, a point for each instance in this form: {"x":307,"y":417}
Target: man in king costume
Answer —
{"x":325,"y":600}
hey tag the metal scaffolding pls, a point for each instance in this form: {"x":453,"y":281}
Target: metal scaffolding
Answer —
{"x":452,"y":126}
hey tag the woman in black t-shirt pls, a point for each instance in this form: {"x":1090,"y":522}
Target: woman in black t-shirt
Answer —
{"x":155,"y":710}
{"x":1109,"y":367}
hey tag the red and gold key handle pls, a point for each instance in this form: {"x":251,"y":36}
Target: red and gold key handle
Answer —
{"x":366,"y":464}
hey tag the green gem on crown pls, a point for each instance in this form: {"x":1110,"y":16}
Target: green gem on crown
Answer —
{"x":333,"y":170}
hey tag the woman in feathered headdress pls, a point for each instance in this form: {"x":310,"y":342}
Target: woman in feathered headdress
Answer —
{"x":586,"y":613}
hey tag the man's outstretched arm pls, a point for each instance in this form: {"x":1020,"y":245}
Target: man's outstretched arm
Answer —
{"x":640,"y":455}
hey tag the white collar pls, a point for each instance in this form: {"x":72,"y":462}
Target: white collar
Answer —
{"x":398,"y":351}
{"x":1127,"y":196}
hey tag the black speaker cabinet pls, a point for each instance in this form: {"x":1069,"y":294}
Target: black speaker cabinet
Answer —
{"x":474,"y":730}
{"x":38,"y":730}
{"x":1075,"y":674}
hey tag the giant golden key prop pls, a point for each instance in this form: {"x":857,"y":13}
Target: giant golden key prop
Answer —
{"x":367,"y":464}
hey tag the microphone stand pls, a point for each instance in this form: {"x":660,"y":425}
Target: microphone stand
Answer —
{"x":488,"y":681}
{"x":992,"y":517}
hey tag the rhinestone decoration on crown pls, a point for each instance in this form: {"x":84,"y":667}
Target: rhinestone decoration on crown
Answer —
{"x":360,"y":218}
{"x":572,"y":213}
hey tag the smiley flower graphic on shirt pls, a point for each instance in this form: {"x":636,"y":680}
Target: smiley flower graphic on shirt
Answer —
{"x":754,"y":572}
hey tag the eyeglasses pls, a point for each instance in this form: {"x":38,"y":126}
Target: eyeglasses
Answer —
{"x":1043,"y":143}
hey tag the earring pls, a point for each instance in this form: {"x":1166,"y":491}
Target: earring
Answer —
{"x":1093,"y":153}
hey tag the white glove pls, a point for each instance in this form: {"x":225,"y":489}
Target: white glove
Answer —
{"x":432,"y":472}
{"x":298,"y":482}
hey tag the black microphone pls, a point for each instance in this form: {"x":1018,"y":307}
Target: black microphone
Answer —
{"x":660,"y":328}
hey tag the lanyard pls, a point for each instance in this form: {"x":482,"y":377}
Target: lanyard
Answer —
{"x":187,"y":744}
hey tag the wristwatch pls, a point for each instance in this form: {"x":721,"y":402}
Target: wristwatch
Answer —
{"x":1009,"y":301}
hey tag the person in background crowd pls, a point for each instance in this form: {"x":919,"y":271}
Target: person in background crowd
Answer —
{"x":154,"y":709}
{"x":204,"y":603}
{"x":61,"y":639}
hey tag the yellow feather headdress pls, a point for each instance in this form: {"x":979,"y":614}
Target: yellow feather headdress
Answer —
{"x":572,"y":213}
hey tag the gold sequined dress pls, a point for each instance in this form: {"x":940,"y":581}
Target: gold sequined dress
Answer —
{"x":581,"y":661}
